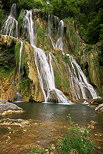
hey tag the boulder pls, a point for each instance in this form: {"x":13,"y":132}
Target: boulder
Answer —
{"x":9,"y":108}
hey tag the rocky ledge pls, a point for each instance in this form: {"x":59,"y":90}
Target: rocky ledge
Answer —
{"x":9,"y":108}
{"x":99,"y":108}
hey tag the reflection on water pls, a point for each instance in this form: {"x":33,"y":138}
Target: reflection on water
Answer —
{"x":80,"y":113}
{"x":49,"y":122}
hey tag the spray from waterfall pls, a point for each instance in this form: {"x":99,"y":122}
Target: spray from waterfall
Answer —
{"x":10,"y":26}
{"x":44,"y":66}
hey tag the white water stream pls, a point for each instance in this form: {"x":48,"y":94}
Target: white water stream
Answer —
{"x":78,"y":81}
{"x":80,"y":87}
{"x":44,"y":66}
{"x":59,"y":42}
{"x":20,"y":57}
{"x":10,"y":26}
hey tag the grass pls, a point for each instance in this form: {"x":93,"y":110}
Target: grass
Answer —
{"x":37,"y":150}
{"x":76,"y":140}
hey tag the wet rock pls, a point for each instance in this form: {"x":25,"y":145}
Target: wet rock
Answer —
{"x":97,"y":101}
{"x":9,"y":108}
{"x":73,"y":151}
{"x":53,"y":147}
{"x":53,"y":97}
{"x":91,"y":125}
{"x":17,"y":122}
{"x":99,"y":108}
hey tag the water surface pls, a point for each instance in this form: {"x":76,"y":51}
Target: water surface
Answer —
{"x":80,"y":113}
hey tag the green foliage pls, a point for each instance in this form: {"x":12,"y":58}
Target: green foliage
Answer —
{"x":25,"y":84}
{"x":67,"y":60}
{"x":68,"y":19}
{"x":37,"y":150}
{"x":17,"y":54}
{"x":97,"y":101}
{"x":78,"y":139}
{"x":26,"y":4}
{"x":87,"y":14}
{"x":10,"y":129}
{"x":6,"y":56}
{"x":21,"y":17}
{"x":17,"y":49}
{"x":2,"y":16}
{"x":41,"y":35}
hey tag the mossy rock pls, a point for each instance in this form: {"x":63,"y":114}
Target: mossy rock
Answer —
{"x":98,"y":101}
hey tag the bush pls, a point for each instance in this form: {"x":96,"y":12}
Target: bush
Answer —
{"x":78,"y":140}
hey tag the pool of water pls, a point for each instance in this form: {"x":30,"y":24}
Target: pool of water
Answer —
{"x":48,"y":123}
{"x":80,"y":113}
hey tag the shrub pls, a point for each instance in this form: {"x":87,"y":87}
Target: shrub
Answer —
{"x":78,"y":139}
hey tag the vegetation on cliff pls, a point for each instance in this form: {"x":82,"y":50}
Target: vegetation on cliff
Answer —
{"x":82,"y":15}
{"x":88,"y":14}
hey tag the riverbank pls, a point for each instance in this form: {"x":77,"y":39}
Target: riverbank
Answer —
{"x":41,"y":125}
{"x":7,"y":108}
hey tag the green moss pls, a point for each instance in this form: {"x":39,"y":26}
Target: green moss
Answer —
{"x":4,"y":73}
{"x":97,"y":101}
{"x":67,"y":60}
{"x":21,"y":17}
{"x":25,"y":85}
{"x":41,"y":35}
{"x":17,"y":54}
{"x":61,"y":76}
{"x":2,"y":17}
{"x":89,"y":47}
{"x":58,"y":79}
{"x":17,"y":49}
{"x":42,"y":39}
{"x":7,"y":61}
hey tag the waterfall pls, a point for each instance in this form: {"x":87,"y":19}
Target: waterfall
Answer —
{"x":79,"y":85}
{"x":20,"y":56}
{"x":59,"y":42}
{"x":80,"y":88}
{"x":18,"y":96}
{"x":10,"y":26}
{"x":44,"y":66}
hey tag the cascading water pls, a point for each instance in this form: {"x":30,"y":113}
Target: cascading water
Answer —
{"x":78,"y":82}
{"x":10,"y":26}
{"x":59,"y":43}
{"x":18,"y":95}
{"x":44,"y":68}
{"x":80,"y":88}
{"x":20,"y":55}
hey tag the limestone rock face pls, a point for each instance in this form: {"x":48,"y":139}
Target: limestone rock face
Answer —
{"x":87,"y":56}
{"x":29,"y":86}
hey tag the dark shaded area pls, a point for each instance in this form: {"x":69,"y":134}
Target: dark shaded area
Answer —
{"x":7,"y":59}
